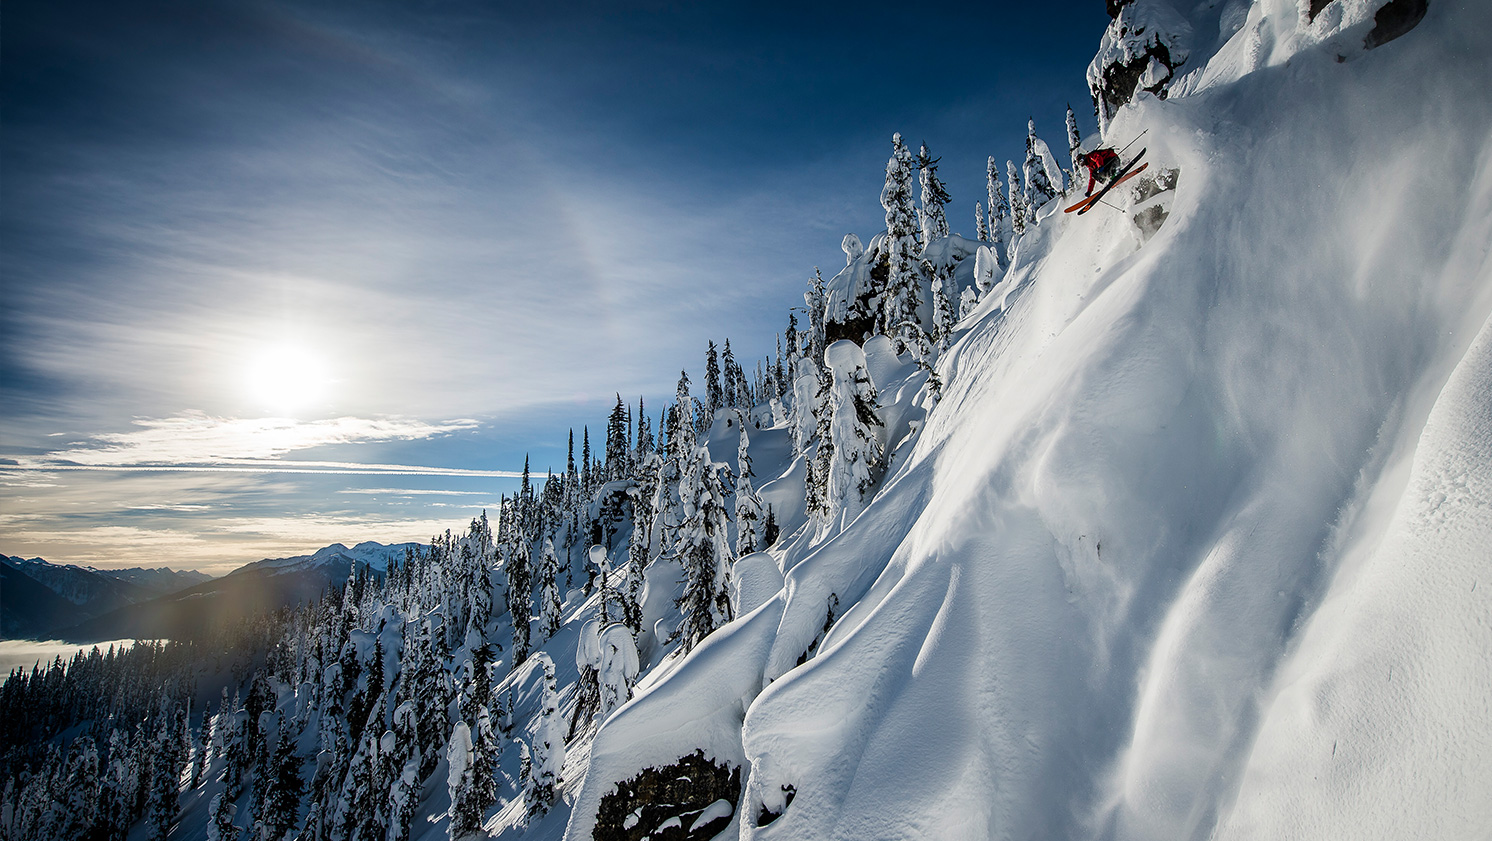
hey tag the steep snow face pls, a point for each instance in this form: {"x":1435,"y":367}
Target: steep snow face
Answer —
{"x":1192,"y":542}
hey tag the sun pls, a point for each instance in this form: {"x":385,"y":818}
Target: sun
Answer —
{"x":288,"y":378}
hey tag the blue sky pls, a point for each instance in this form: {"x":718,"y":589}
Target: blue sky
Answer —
{"x":430,"y":237}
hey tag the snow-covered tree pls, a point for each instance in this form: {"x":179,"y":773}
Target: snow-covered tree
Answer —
{"x":220,"y":819}
{"x":618,"y":669}
{"x":282,"y":794}
{"x":1074,"y":147}
{"x":618,"y":448}
{"x":550,"y":608}
{"x":934,"y":198}
{"x":748,"y":504}
{"x":901,"y":298}
{"x":703,"y":550}
{"x":981,"y":223}
{"x":855,"y":429}
{"x":546,"y":748}
{"x":1018,"y":209}
{"x":852,"y":248}
{"x":520,"y":592}
{"x":730,"y":378}
{"x":404,"y":800}
{"x":999,"y":209}
{"x":714,"y":394}
{"x":986,"y":270}
{"x":681,"y":430}
{"x":967,"y":302}
{"x":465,"y":811}
{"x":165,"y":782}
{"x":813,"y":301}
{"x":940,"y":273}
{"x":1038,"y":174}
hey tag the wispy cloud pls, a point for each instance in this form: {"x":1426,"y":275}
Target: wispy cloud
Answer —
{"x":197,"y":442}
{"x":414,"y":491}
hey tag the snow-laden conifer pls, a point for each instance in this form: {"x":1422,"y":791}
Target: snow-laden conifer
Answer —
{"x":813,"y":301}
{"x":546,"y":748}
{"x":934,"y":198}
{"x":967,"y":302}
{"x":618,"y":669}
{"x":681,"y":435}
{"x":283,"y":793}
{"x":703,"y":550}
{"x":1074,"y":148}
{"x":220,"y":819}
{"x":803,"y":419}
{"x":986,"y":269}
{"x":465,"y":810}
{"x":730,"y":374}
{"x":981,"y":223}
{"x":1018,"y":209}
{"x":852,"y":248}
{"x":999,"y":208}
{"x":855,"y":429}
{"x":901,"y":297}
{"x":714,"y":394}
{"x":1038,"y":174}
{"x":618,"y":448}
{"x":550,"y":607}
{"x":520,"y":595}
{"x":748,"y":504}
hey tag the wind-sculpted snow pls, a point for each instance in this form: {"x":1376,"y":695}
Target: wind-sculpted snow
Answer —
{"x":1191,"y":543}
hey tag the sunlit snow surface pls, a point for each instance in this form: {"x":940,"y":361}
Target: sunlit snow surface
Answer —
{"x":1197,"y":540}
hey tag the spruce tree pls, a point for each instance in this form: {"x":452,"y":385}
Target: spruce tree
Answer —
{"x":550,"y":607}
{"x":546,"y":753}
{"x":220,"y":819}
{"x":803,"y":421}
{"x":618,"y":461}
{"x":638,"y":550}
{"x":1017,"y":203}
{"x":855,"y":430}
{"x":282,"y":795}
{"x":1074,"y":147}
{"x":714,"y":396}
{"x":618,"y":668}
{"x":814,"y":301}
{"x":520,"y":594}
{"x":900,"y":299}
{"x":981,"y":224}
{"x":1038,"y":180}
{"x":729,"y":382}
{"x":934,"y":198}
{"x":999,"y":209}
{"x":703,"y":550}
{"x":465,"y":811}
{"x":681,"y":434}
{"x":644,"y":435}
{"x":748,"y":504}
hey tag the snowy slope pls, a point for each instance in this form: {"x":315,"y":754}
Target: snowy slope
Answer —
{"x":1144,"y":571}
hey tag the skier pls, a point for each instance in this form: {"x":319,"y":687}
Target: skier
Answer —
{"x":1102,"y":164}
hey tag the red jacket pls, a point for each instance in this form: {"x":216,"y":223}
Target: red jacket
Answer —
{"x":1096,"y":161}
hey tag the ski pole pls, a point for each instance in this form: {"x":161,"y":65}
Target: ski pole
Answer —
{"x":1132,"y":142}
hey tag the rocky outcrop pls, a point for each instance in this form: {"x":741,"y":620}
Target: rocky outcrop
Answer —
{"x":690,"y":800}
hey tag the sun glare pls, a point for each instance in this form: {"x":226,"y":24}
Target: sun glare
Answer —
{"x":287,"y":379}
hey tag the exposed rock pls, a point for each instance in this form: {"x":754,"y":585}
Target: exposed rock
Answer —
{"x":1395,"y":18}
{"x":665,"y":804}
{"x":1141,"y":50}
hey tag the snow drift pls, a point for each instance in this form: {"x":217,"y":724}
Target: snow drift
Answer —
{"x":1191,"y":545}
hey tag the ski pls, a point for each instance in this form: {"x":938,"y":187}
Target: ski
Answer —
{"x":1124,"y":175}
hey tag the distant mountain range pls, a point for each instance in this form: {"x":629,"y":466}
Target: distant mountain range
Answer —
{"x":38,"y":598}
{"x":41,"y":600}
